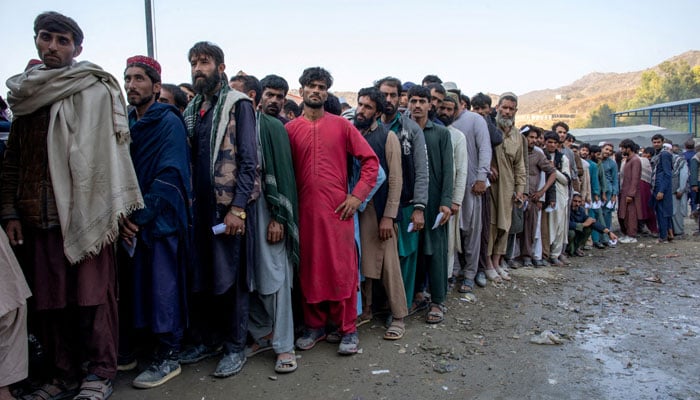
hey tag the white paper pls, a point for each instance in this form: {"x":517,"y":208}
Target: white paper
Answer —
{"x":550,"y":209}
{"x":596,"y":205}
{"x":437,"y":220}
{"x":610,"y":205}
{"x":218,"y":229}
{"x":587,"y":205}
{"x":410,"y":227}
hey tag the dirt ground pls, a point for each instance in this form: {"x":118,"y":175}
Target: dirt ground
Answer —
{"x":629,"y":318}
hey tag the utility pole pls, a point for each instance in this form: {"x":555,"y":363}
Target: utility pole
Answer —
{"x":149,"y":28}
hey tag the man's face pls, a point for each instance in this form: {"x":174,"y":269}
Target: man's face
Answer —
{"x":506,"y":113}
{"x":574,"y":150}
{"x":551,"y":145}
{"x":206,"y":75}
{"x":314,"y":94}
{"x":403,"y":100}
{"x":532,"y":139}
{"x":391,"y":94}
{"x":596,"y":156}
{"x":657,"y":143}
{"x":607,"y":151}
{"x":561,"y":131}
{"x":419,"y":107}
{"x":166,"y":97}
{"x":576,"y":202}
{"x":190,"y":94}
{"x":140,"y":90}
{"x":272,"y":101}
{"x":365,"y":113}
{"x":56,"y":50}
{"x":436,"y":100}
{"x":446,"y":112}
{"x":584,"y":153}
{"x":483,"y":111}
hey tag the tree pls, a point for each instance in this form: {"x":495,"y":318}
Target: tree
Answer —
{"x":600,"y":117}
{"x":674,"y":81}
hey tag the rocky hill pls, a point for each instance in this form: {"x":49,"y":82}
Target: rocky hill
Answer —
{"x":588,"y":92}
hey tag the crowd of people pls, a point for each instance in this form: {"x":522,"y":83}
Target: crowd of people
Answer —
{"x":220,"y":218}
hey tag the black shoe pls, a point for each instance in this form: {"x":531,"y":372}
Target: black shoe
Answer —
{"x":198,"y":353}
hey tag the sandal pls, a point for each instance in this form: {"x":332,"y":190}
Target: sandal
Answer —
{"x":502,"y":273}
{"x":435,"y":317}
{"x":418,"y":305}
{"x":467,"y":286}
{"x":286,"y":364}
{"x":57,"y":390}
{"x":395,"y":330}
{"x":95,"y":388}
{"x":492,"y":275}
{"x":259,"y":346}
{"x":363,"y":319}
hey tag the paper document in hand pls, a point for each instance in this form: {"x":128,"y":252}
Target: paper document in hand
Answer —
{"x":437,"y":220}
{"x":410,"y":227}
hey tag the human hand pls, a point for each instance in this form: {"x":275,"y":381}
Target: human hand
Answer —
{"x":386,"y":228}
{"x":234,"y":224}
{"x":275,"y":231}
{"x":348,"y":207}
{"x":418,"y":219}
{"x":479,"y":188}
{"x":14,"y":232}
{"x":127,"y":230}
{"x":446,"y":213}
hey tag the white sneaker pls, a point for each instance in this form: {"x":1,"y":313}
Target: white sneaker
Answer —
{"x":627,"y":239}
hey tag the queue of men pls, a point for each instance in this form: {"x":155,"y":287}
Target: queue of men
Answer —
{"x":238,"y":227}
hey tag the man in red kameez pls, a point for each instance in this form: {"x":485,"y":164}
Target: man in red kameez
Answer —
{"x":321,"y":146}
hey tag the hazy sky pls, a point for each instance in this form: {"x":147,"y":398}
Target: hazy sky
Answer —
{"x":492,"y":46}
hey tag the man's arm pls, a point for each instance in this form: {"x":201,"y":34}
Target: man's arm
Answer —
{"x":8,"y":189}
{"x":420,"y":161}
{"x":459,"y":153}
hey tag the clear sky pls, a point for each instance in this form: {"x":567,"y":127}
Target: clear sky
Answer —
{"x":490,"y":46}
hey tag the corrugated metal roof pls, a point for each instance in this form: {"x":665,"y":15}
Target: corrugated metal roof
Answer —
{"x":681,"y":105}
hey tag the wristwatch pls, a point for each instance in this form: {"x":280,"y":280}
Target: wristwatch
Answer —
{"x":239,"y":214}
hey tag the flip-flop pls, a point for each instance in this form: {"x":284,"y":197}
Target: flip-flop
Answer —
{"x":418,"y":306}
{"x":362,"y":320}
{"x":287,"y":364}
{"x":435,"y":317}
{"x":259,"y":346}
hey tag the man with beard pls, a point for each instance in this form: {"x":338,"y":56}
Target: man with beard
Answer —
{"x":437,"y":96}
{"x":510,"y":178}
{"x":447,"y":112}
{"x":321,"y":144}
{"x":432,"y":247}
{"x":274,"y":92}
{"x":221,"y":126}
{"x":378,"y":230}
{"x":277,"y":234}
{"x":662,"y":191}
{"x":562,"y":130}
{"x":630,"y":208}
{"x":159,"y":233}
{"x":580,"y":226}
{"x":67,"y":179}
{"x":414,"y":189}
{"x":538,"y":166}
{"x":557,"y":219}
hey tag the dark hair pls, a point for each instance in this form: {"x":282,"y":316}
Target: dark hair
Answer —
{"x":151,"y":73}
{"x":437,"y":87}
{"x":187,"y":86}
{"x":390,"y":81}
{"x":179,"y":96}
{"x":419,"y":91}
{"x":690,"y":144}
{"x":274,"y":82}
{"x":595,"y":149}
{"x":207,"y":49}
{"x":562,"y":124}
{"x":451,"y":100}
{"x":531,"y":128}
{"x":291,"y":105}
{"x":481,"y":100}
{"x":249,"y":83}
{"x":628,"y":144}
{"x":551,"y":135}
{"x":428,"y":79}
{"x":464,"y":98}
{"x":58,"y":23}
{"x":658,"y":136}
{"x":375,"y":95}
{"x":332,"y":104}
{"x":586,"y":146}
{"x":570,"y":137}
{"x":316,"y":74}
{"x":649,"y":150}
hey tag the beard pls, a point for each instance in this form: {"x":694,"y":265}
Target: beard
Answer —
{"x":389,"y":109}
{"x":141,"y":101}
{"x":432,"y":114}
{"x":362,"y":123}
{"x":206,"y":86}
{"x":446,"y":119}
{"x":504,"y":122}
